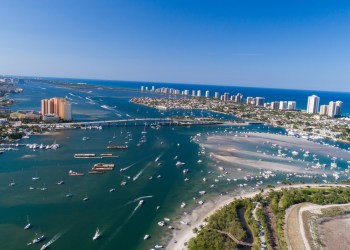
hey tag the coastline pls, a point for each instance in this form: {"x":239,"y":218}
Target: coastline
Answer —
{"x":186,"y":233}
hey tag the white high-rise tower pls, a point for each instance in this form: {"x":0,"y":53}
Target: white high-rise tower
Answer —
{"x":312,"y":104}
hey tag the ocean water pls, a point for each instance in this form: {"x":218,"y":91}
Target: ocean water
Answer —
{"x":123,"y":223}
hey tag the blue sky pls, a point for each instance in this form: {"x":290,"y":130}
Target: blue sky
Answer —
{"x":286,"y":44}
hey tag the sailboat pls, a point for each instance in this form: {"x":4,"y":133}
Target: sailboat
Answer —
{"x":97,"y":234}
{"x":28,"y":224}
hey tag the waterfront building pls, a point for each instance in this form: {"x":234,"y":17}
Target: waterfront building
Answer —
{"x":274,"y":105}
{"x":312,"y":104}
{"x":142,"y":88}
{"x":324,"y":110}
{"x":226,"y":96}
{"x":152,"y":89}
{"x":331,"y":109}
{"x":250,"y":100}
{"x":193,"y":93}
{"x":25,"y":114}
{"x":186,"y":92}
{"x":283,"y":105}
{"x":207,"y":94}
{"x":338,"y":108}
{"x":146,"y":88}
{"x":216,"y":95}
{"x":199,"y":93}
{"x":292,"y":105}
{"x":259,"y":101}
{"x":238,"y":97}
{"x":58,"y":106}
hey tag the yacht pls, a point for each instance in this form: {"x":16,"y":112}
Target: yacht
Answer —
{"x":183,"y":204}
{"x":35,"y":178}
{"x":140,"y":202}
{"x":38,"y":239}
{"x":60,"y":182}
{"x":12,"y":183}
{"x":97,"y":234}
{"x":86,"y":198}
{"x":146,"y":237}
{"x":28,"y":224}
{"x":112,"y":190}
{"x":161,"y":223}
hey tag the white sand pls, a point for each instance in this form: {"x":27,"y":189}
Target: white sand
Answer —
{"x":199,"y":214}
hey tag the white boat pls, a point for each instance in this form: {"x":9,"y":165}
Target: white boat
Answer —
{"x":97,"y":234}
{"x":161,"y":223}
{"x":60,"y":182}
{"x":35,"y":178}
{"x":28,"y":224}
{"x":12,"y":183}
{"x":140,"y":202}
{"x":146,"y":237}
{"x":112,"y":190}
{"x":183,"y":204}
{"x":86,"y":198}
{"x":38,"y":239}
{"x":167,"y":219}
{"x":184,"y":222}
{"x":158,"y":246}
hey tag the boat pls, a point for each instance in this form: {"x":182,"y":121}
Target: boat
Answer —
{"x":112,"y":190}
{"x":183,"y":204}
{"x":60,"y":182}
{"x":97,"y":234}
{"x":161,"y":223}
{"x":140,"y":202}
{"x":117,"y":147}
{"x":85,"y":138}
{"x":35,"y":178}
{"x":86,"y":198}
{"x":146,"y":237}
{"x":77,"y":156}
{"x":69,"y":195}
{"x":72,"y":173}
{"x":158,"y":246}
{"x":38,"y":239}
{"x":106,"y":155}
{"x":12,"y":183}
{"x":28,"y":224}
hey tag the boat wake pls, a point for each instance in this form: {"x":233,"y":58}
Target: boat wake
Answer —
{"x":140,"y":198}
{"x":139,"y":173}
{"x":56,"y":237}
{"x":121,"y":226}
{"x":108,"y":107}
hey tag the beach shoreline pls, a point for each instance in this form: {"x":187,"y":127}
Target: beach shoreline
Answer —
{"x":186,"y":233}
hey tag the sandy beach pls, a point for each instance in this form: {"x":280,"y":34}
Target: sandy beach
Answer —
{"x":198,"y":215}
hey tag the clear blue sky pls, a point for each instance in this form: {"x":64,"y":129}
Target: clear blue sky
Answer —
{"x":287,"y":44}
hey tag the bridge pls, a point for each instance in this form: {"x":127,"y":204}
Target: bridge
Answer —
{"x":129,"y":122}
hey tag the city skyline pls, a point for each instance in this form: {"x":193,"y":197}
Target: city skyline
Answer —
{"x":270,"y":45}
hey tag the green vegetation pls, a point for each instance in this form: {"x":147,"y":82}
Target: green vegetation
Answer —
{"x":270,"y":214}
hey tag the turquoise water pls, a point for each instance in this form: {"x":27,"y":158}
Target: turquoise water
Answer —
{"x":122,"y":225}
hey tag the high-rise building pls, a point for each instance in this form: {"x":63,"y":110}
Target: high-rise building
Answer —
{"x":324,"y":110}
{"x":283,"y":105}
{"x":207,"y":94}
{"x":312,"y":104}
{"x":216,"y":95}
{"x":292,"y":105}
{"x":152,"y":89}
{"x":226,"y":96}
{"x":275,"y":105}
{"x":57,"y":106}
{"x":199,"y":93}
{"x":238,"y":97}
{"x":193,"y":93}
{"x":331,"y":109}
{"x":338,"y":108}
{"x":142,"y":88}
{"x":187,"y":92}
{"x":259,"y":101}
{"x":250,"y":100}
